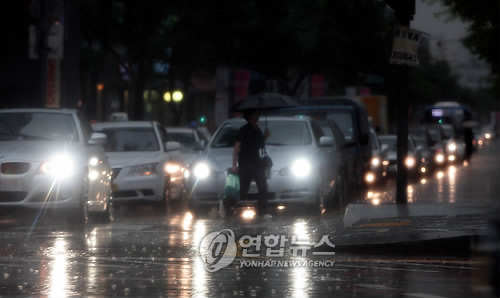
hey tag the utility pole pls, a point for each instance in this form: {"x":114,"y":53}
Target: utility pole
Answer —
{"x":404,"y":11}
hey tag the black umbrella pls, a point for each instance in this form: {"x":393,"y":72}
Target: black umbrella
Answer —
{"x":263,"y":102}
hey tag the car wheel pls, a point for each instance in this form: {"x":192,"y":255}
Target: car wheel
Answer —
{"x":79,"y":216}
{"x":105,"y":217}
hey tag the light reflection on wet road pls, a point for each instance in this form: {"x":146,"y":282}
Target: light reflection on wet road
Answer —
{"x":145,"y":254}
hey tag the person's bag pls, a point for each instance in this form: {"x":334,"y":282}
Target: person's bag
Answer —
{"x":266,"y":161}
{"x":232,"y":187}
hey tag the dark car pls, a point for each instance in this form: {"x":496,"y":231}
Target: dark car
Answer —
{"x":378,"y":163}
{"x":434,"y":140}
{"x":352,"y":118}
{"x":413,"y":161}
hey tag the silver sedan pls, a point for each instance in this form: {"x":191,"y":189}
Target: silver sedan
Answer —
{"x":307,"y":164}
{"x":50,"y":160}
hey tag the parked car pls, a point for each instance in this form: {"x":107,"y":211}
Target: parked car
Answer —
{"x":50,"y":159}
{"x":192,"y":141}
{"x":145,"y":169}
{"x":352,"y":118}
{"x":378,"y":163}
{"x":413,"y":161}
{"x":307,"y":164}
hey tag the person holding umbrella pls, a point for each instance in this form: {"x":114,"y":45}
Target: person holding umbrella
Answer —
{"x":247,"y":157}
{"x":250,"y":143}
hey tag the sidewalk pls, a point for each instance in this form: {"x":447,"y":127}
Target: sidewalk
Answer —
{"x":448,"y":211}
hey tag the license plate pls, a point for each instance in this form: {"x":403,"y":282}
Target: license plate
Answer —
{"x":11,"y":185}
{"x":253,"y":188}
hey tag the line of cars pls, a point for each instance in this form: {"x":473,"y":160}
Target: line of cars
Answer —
{"x":430,"y":147}
{"x":53,"y":159}
{"x":323,"y":150}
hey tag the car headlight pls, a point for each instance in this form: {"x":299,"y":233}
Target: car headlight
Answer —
{"x":452,"y":147}
{"x":142,"y":170}
{"x":370,"y":177}
{"x":410,"y":162}
{"x":201,"y":170}
{"x":440,"y":158}
{"x":487,"y":135}
{"x":59,"y":166}
{"x":301,"y":168}
{"x":375,"y":161}
{"x":173,"y":168}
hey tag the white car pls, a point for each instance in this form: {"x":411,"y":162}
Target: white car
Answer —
{"x":192,"y":141}
{"x":308,"y":167}
{"x":143,"y":162}
{"x":50,"y":159}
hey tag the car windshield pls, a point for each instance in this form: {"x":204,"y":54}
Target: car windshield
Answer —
{"x":283,"y":133}
{"x":435,"y":135}
{"x":449,"y":133}
{"x":186,"y":139}
{"x":344,"y":119}
{"x":37,"y":126}
{"x":131,"y":139}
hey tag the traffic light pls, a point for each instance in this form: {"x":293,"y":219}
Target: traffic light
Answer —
{"x":203,"y":119}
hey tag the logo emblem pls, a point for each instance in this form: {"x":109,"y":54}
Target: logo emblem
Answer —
{"x":218,"y":250}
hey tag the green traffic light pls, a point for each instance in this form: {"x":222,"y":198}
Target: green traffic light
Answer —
{"x":440,"y":121}
{"x":203,"y":119}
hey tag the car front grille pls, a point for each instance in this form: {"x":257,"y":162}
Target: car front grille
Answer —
{"x":12,"y":196}
{"x":14,"y":168}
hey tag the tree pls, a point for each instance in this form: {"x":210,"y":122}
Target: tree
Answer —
{"x":483,"y":33}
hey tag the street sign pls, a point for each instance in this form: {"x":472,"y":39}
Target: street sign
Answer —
{"x":405,"y":46}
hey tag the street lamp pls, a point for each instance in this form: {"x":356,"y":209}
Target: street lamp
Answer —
{"x":177,"y":96}
{"x":167,"y":97}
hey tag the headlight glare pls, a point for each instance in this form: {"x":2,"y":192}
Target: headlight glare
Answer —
{"x":452,"y":147}
{"x":58,"y":166}
{"x":172,"y":168}
{"x":410,"y":162}
{"x":201,"y":171}
{"x":440,"y":157}
{"x":375,"y":161}
{"x":301,"y":168}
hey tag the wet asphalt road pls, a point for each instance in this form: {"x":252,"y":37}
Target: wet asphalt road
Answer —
{"x":143,"y":253}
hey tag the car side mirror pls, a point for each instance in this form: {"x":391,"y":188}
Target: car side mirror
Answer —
{"x":172,"y":146}
{"x":325,"y":141}
{"x":98,"y":138}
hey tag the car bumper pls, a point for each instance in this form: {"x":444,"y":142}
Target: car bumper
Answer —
{"x":41,"y":192}
{"x":281,"y":190}
{"x":139,"y":189}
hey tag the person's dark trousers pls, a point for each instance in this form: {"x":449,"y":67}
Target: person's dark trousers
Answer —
{"x":249,"y":173}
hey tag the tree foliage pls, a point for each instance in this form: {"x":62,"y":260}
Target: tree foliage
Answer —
{"x":483,"y":33}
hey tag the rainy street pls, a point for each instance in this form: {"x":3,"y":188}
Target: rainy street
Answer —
{"x":144,"y":253}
